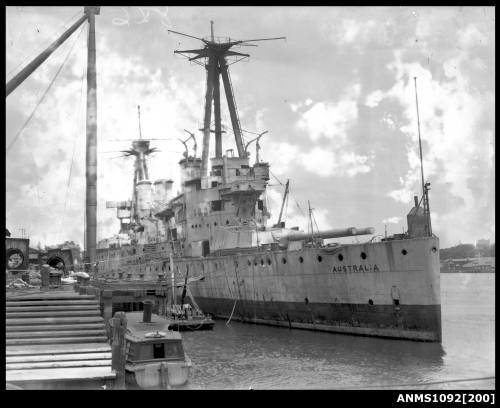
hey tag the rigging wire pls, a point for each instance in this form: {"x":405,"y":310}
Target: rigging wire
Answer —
{"x":294,"y":199}
{"x":20,"y":131}
{"x":44,"y":44}
{"x":77,"y":126}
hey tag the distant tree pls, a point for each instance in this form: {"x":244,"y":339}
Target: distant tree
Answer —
{"x":458,"y":251}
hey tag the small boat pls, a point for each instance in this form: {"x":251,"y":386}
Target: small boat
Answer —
{"x":188,"y":316}
{"x":154,"y":355}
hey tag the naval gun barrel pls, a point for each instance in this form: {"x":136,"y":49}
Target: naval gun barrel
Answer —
{"x":331,"y":233}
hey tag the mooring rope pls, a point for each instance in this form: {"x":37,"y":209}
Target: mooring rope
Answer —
{"x":230,"y":317}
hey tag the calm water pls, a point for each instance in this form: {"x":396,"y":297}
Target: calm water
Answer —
{"x":240,"y":355}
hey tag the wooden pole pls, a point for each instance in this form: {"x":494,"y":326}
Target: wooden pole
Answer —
{"x":118,"y":346}
{"x":91,"y":142}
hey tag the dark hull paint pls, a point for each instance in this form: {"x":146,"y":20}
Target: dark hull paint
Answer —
{"x":411,"y":322}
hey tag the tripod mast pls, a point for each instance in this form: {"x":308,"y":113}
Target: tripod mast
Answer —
{"x":215,"y":54}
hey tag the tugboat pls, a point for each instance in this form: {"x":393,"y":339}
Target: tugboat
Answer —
{"x":154,"y":355}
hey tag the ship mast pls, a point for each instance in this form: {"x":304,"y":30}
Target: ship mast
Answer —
{"x":215,"y":54}
{"x":140,"y":150}
{"x":425,"y":186}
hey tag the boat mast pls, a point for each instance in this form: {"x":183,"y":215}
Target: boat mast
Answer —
{"x":91,"y":143}
{"x":285,"y":195}
{"x":425,"y":186}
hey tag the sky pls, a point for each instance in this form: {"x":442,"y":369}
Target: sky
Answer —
{"x":337,"y":98}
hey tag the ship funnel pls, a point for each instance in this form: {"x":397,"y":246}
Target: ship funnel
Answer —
{"x":148,"y":308}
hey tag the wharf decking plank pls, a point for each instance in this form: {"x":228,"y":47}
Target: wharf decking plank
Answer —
{"x":47,"y":296}
{"x":46,"y":308}
{"x":49,"y":374}
{"x":56,"y":340}
{"x":48,"y":327}
{"x":59,"y":357}
{"x":59,"y":333}
{"x":48,"y":302}
{"x":58,"y":364}
{"x":57,"y":349}
{"x":53,"y":320}
{"x":15,"y":315}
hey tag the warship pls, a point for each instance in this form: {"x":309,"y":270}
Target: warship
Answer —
{"x":213,"y":234}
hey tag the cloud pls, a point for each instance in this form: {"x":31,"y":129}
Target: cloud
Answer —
{"x":391,"y":220}
{"x":327,"y":124}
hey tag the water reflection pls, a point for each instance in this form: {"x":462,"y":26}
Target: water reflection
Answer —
{"x":244,"y":355}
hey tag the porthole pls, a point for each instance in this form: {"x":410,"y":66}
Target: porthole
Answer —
{"x":301,"y":260}
{"x":227,"y":222}
{"x":283,"y":260}
{"x":262,"y":262}
{"x":268,"y":261}
{"x":215,"y":224}
{"x":434,"y":249}
{"x":255,"y":263}
{"x":370,"y":301}
{"x":306,"y":301}
{"x":341,"y":257}
{"x":404,"y":251}
{"x":320,"y":258}
{"x":363,"y":255}
{"x":249,"y":262}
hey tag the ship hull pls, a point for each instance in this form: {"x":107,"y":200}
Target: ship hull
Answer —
{"x":411,"y":322}
{"x":386,"y":289}
{"x":393,"y":292}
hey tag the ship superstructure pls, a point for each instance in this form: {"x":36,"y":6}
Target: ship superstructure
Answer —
{"x":215,"y":232}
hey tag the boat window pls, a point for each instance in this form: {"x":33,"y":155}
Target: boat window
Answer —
{"x":174,"y":349}
{"x":159,"y":350}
